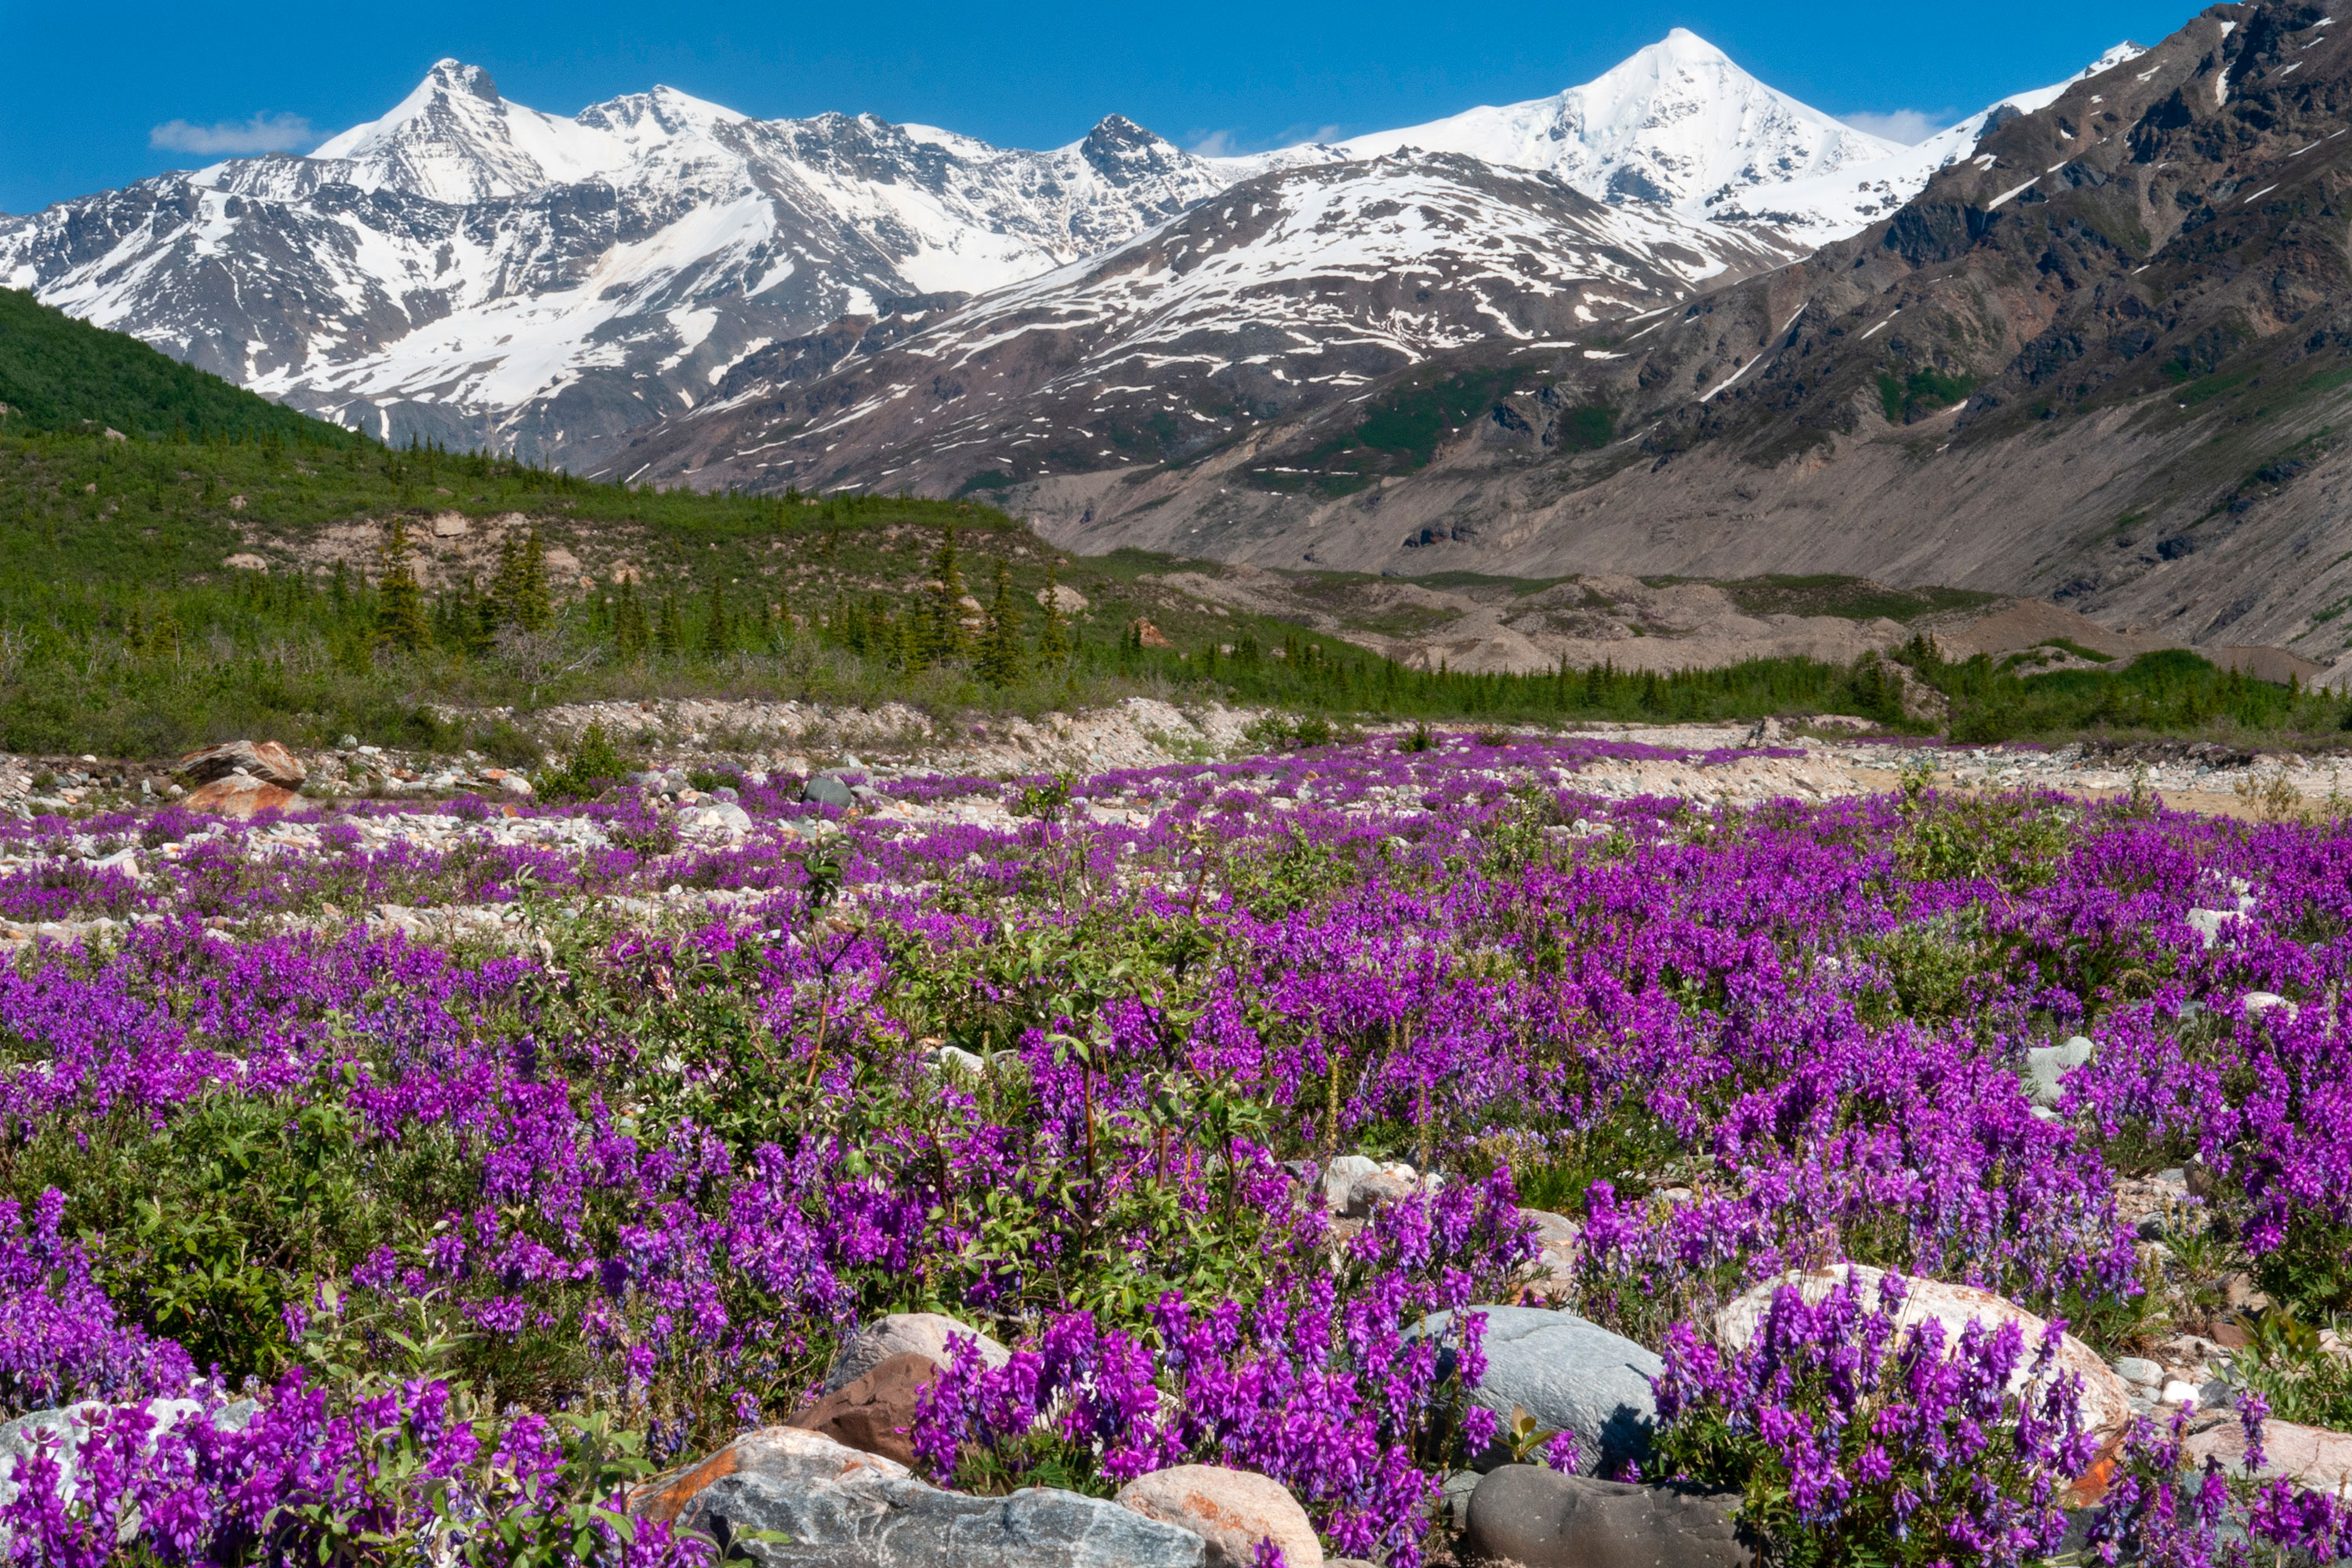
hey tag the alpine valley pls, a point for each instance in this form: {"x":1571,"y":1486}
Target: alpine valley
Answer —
{"x":2091,"y":343}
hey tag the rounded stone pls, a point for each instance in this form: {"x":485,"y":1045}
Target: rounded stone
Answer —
{"x":1570,"y":1376}
{"x":1233,"y":1510}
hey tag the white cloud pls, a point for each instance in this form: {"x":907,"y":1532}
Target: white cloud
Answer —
{"x":262,"y":133}
{"x":1908,"y":126}
{"x":1229,"y":144}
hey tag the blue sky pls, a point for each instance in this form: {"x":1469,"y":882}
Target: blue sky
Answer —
{"x":98,"y":97}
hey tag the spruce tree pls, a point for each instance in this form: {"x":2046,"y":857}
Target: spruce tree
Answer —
{"x":519,"y":593}
{"x":400,"y":624}
{"x":1001,"y":659}
{"x":669,"y":631}
{"x":628,"y":621}
{"x":717,"y":634}
{"x":946,"y":629}
{"x":535,"y":606}
{"x":506,"y":583}
{"x":1053,"y":632}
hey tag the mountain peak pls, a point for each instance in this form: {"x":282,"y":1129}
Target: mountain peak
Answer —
{"x":1678,"y":122}
{"x":1683,"y":43}
{"x":449,"y":75}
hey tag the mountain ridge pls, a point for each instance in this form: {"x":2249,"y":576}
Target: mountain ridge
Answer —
{"x":474,"y":271}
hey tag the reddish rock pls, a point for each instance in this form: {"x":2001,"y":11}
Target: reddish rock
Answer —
{"x":874,"y":1412}
{"x":1233,"y":1510}
{"x":239,"y":795}
{"x":264,"y":760}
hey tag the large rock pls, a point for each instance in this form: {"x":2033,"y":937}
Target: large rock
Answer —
{"x":2311,"y":1456}
{"x":239,"y":794}
{"x":906,"y":1333}
{"x":718,"y":816}
{"x":1572,"y":1375}
{"x":267,"y":761}
{"x":786,"y":1456}
{"x":2107,"y":1398}
{"x":780,"y":1523}
{"x":1534,"y":1518}
{"x":64,"y":1431}
{"x":1340,"y":1177}
{"x":1233,"y":1510}
{"x":825,"y":789}
{"x":874,"y":1412}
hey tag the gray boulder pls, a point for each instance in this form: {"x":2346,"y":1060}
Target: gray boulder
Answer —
{"x":719,"y":817}
{"x":826,"y":789}
{"x":1535,"y":1518}
{"x":1572,"y":1375}
{"x":1341,"y":1174}
{"x":890,"y":1523}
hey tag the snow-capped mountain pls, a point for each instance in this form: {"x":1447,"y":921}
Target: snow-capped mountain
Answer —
{"x":1681,"y":125}
{"x":473,"y":270}
{"x":1298,"y":289}
{"x":1678,"y":125}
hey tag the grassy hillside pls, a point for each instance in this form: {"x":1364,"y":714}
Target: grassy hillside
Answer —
{"x":227,"y":567}
{"x":58,"y":373}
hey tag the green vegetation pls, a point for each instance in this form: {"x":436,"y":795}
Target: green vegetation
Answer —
{"x":1587,"y":429}
{"x":1409,"y":420}
{"x":1907,"y":398}
{"x":1854,"y":598}
{"x":249,"y":572}
{"x":1401,"y":430}
{"x":2171,"y":692}
{"x":58,"y":373}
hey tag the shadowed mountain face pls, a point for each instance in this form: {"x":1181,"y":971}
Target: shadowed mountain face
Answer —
{"x":2105,"y":358}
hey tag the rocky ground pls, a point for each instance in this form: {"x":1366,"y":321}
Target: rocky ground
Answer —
{"x":1732,"y":765}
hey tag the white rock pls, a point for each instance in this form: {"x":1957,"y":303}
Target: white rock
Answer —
{"x":2107,"y":1399}
{"x":2208,"y":923}
{"x":1340,"y":1177}
{"x":2046,"y":1065}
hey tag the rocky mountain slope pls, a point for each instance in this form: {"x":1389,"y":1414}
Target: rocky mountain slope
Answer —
{"x":1313,"y":288}
{"x":1292,"y":292}
{"x":2102,"y":359}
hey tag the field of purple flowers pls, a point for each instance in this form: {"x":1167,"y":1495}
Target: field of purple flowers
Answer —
{"x":406,"y":1184}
